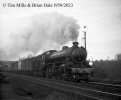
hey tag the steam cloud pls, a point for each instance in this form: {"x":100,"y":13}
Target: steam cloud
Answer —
{"x":47,"y":31}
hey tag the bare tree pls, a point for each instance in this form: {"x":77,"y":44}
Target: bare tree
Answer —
{"x":118,"y":57}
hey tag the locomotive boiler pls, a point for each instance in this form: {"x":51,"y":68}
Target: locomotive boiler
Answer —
{"x":75,"y":54}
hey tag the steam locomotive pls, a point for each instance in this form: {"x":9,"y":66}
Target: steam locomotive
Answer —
{"x":66,"y":64}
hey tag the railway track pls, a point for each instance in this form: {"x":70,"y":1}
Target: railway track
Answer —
{"x":111,"y":88}
{"x":91,"y":90}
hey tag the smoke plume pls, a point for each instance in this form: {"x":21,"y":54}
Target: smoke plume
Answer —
{"x":45,"y":32}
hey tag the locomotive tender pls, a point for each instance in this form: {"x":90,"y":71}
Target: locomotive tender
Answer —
{"x":66,"y":64}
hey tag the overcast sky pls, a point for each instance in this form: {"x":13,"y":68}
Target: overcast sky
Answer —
{"x":102,"y":18}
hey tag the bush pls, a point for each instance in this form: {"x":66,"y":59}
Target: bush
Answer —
{"x":110,"y":69}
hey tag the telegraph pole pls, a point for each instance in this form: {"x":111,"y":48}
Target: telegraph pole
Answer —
{"x":85,"y":39}
{"x":84,"y":36}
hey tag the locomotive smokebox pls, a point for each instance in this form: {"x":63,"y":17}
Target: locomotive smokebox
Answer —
{"x":75,"y":44}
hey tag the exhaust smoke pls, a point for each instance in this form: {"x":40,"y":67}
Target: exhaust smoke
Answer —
{"x":47,"y":31}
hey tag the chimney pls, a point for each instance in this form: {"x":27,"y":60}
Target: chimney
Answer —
{"x":75,"y":44}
